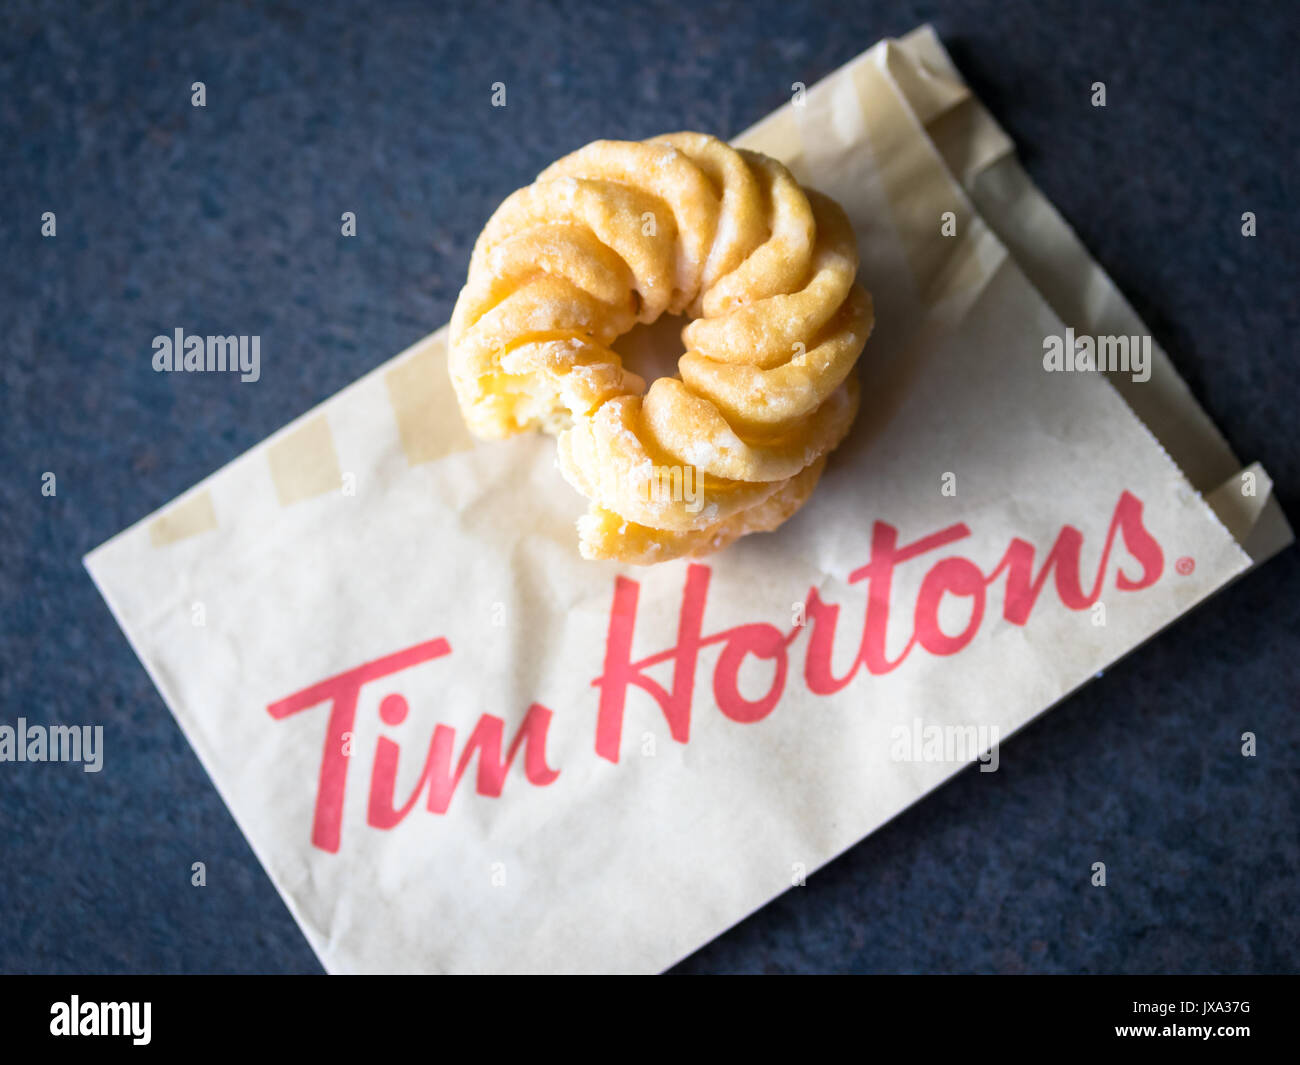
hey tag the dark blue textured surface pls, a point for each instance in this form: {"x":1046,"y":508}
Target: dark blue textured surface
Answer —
{"x":225,"y":220}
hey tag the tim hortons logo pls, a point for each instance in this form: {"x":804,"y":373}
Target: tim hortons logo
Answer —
{"x":949,"y":574}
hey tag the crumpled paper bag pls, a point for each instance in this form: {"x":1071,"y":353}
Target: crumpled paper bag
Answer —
{"x":457,"y":747}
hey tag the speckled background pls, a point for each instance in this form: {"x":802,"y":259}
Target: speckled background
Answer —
{"x":225,"y":220}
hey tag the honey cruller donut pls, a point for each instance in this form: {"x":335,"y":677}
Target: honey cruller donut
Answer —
{"x":620,"y":232}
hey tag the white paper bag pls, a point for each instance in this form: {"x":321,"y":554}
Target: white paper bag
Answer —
{"x":458,"y":747}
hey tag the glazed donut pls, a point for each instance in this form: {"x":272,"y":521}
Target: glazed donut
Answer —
{"x":621,"y":232}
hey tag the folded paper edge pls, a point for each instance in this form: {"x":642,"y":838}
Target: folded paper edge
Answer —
{"x":1248,"y":508}
{"x":1261,"y":524}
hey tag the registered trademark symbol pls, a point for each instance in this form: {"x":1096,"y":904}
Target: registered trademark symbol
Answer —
{"x":1185,"y":565}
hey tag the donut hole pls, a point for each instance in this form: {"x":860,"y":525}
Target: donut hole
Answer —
{"x":651,"y":350}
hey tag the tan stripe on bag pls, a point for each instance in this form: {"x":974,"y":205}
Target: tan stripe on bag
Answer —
{"x":304,"y":464}
{"x":428,"y":418}
{"x":188,"y":518}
